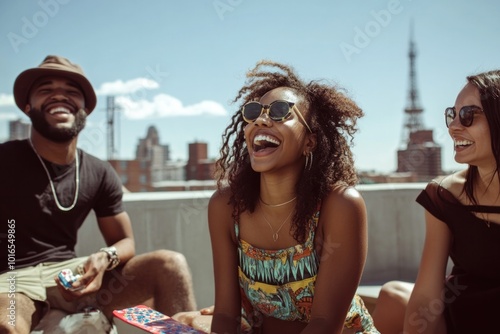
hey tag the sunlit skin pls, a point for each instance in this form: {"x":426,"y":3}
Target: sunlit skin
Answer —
{"x":59,"y":100}
{"x":475,"y":139}
{"x":473,"y":147}
{"x":277,"y":150}
{"x":279,"y":167}
{"x":286,"y":161}
{"x":56,"y":105}
{"x":476,"y":151}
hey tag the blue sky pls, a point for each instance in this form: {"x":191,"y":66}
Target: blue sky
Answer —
{"x":178,"y":64}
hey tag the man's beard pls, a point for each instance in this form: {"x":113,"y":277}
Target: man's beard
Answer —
{"x":60,"y":135}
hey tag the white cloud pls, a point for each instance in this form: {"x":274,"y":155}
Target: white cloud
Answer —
{"x":120,"y":87}
{"x":6,"y":100}
{"x":205,"y":107}
{"x":164,"y":105}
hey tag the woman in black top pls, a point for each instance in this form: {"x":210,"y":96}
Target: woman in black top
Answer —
{"x":462,"y":222}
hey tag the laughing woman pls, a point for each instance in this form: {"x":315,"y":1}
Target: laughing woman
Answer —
{"x":288,"y":230}
{"x":463,"y":222}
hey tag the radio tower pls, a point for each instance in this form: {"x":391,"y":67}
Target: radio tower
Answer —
{"x":413,"y":110}
{"x":110,"y":112}
{"x":420,"y":155}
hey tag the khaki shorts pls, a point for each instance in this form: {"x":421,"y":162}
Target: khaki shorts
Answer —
{"x":37,"y":282}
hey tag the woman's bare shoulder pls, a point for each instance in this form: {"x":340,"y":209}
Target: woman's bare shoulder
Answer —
{"x":343,"y":204}
{"x":344,"y":195}
{"x":220,"y":210}
{"x":220,"y":198}
{"x":454,"y":183}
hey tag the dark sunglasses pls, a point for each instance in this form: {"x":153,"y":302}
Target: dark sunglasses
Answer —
{"x":278,"y":111}
{"x":466,"y":115}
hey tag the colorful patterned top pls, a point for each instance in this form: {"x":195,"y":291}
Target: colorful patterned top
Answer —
{"x":280,"y":284}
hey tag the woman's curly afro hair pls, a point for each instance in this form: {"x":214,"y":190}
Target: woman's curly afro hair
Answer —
{"x":332,"y":117}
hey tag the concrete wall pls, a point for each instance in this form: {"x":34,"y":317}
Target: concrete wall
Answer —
{"x":178,"y":221}
{"x":396,"y":232}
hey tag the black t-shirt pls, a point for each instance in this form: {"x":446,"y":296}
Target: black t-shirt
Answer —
{"x":33,"y":229}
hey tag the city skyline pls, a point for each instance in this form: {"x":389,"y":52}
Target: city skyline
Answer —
{"x":178,"y":64}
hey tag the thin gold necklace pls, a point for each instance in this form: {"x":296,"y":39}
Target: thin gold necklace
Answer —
{"x":484,"y":217}
{"x":77,"y":180}
{"x":276,"y":234}
{"x":277,"y":205}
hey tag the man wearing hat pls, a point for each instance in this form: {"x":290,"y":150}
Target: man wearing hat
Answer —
{"x":47,"y":188}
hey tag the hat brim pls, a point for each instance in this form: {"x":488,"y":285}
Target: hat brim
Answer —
{"x":25,"y":80}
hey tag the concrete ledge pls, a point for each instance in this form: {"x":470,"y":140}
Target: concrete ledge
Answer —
{"x":178,"y":221}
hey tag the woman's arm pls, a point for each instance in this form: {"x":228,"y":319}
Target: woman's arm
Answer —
{"x":424,"y":312}
{"x":227,"y":310}
{"x":342,"y":238}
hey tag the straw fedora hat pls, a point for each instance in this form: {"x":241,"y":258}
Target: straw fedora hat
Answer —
{"x":53,"y":66}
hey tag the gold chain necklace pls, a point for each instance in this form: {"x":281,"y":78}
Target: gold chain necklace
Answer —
{"x":276,"y":234}
{"x":77,"y":180}
{"x":277,"y":205}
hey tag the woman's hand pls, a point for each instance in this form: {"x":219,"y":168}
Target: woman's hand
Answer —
{"x":200,"y":320}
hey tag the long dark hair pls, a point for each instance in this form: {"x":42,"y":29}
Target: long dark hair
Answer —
{"x":332,"y":116}
{"x":488,"y":84}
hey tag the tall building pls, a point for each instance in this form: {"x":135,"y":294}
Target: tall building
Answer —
{"x":419,"y":154}
{"x":152,"y":169}
{"x":149,"y":149}
{"x":19,"y":130}
{"x":199,"y":167}
{"x":149,"y":165}
{"x":134,"y":174}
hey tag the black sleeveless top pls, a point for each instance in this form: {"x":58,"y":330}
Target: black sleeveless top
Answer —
{"x":472,"y":297}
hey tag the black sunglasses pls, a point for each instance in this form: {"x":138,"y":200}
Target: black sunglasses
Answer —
{"x":278,"y":111}
{"x":466,"y":115}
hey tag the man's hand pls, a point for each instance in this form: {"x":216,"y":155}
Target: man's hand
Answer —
{"x":90,"y":281}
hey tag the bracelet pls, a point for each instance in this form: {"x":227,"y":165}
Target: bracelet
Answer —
{"x":113,"y":258}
